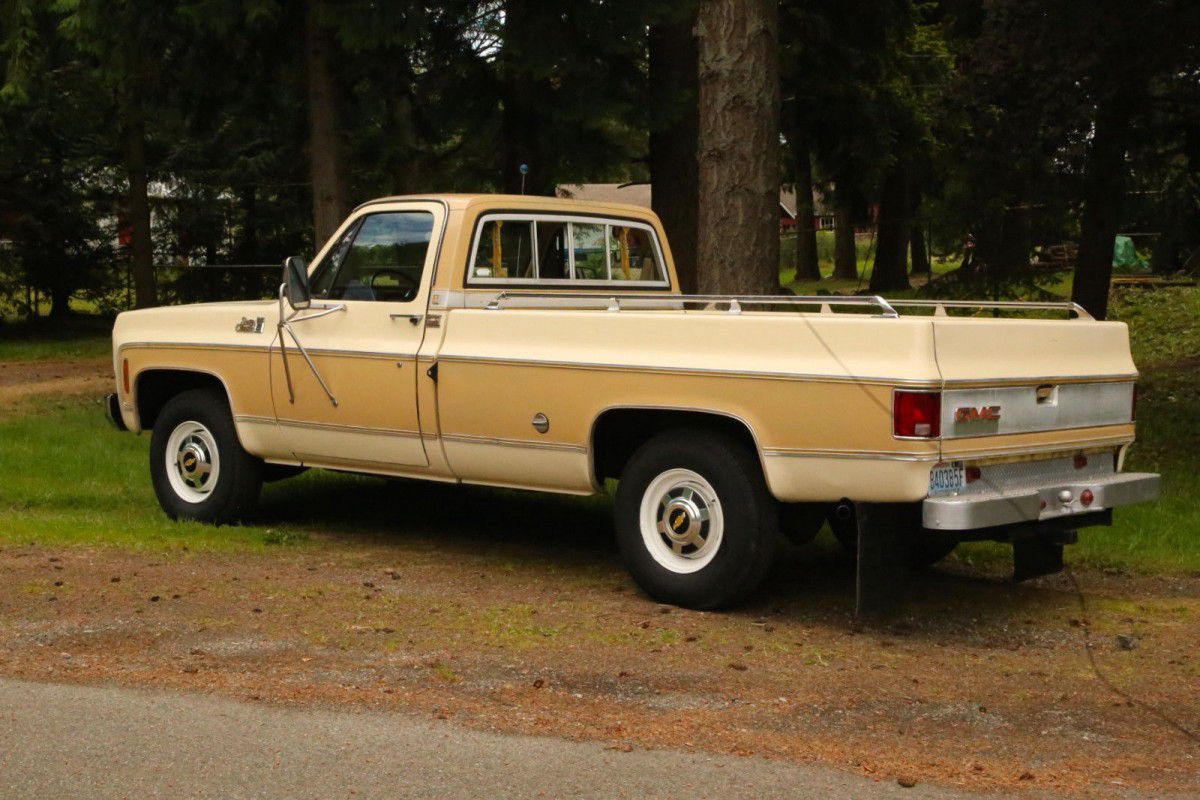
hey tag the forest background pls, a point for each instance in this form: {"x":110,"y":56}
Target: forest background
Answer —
{"x":140,"y":140}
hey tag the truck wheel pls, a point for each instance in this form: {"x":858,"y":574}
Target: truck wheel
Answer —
{"x":927,"y":547}
{"x":695,"y":523}
{"x":197,"y":465}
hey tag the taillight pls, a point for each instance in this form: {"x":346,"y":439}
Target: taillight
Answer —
{"x":125,"y":374}
{"x":917,"y":414}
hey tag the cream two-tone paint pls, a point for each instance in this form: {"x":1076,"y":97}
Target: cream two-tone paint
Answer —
{"x":813,"y":390}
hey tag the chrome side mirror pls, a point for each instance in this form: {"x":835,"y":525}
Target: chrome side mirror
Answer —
{"x":295,"y":283}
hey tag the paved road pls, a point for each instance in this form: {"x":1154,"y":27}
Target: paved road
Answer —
{"x":78,"y":742}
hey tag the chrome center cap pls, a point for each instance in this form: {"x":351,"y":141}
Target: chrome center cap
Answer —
{"x":191,"y":459}
{"x":682,"y":519}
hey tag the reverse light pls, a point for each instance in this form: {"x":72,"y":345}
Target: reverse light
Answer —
{"x":917,"y":414}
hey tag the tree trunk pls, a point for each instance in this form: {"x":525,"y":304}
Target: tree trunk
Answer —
{"x":916,"y":237}
{"x":807,"y":266}
{"x":738,"y":242}
{"x":141,"y":248}
{"x":330,"y":203}
{"x":1104,"y":188}
{"x":891,"y":241}
{"x":845,"y":256}
{"x":527,"y":100}
{"x":674,"y":123}
{"x":920,"y":255}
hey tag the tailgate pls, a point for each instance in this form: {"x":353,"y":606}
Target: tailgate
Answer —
{"x":1017,"y":386}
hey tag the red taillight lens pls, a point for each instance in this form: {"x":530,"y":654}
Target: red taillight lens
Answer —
{"x":917,"y":414}
{"x":1086,"y":497}
{"x":125,"y":374}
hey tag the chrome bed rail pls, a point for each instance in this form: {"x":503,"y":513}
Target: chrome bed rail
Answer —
{"x":736,"y":304}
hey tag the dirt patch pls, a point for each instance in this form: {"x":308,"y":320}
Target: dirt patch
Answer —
{"x":23,"y":379}
{"x":982,"y":685}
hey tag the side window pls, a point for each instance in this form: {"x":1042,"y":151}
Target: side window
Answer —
{"x":505,"y":250}
{"x":554,"y":260}
{"x":591,"y":261}
{"x":382,"y":259}
{"x":631,"y":251}
{"x":552,"y":250}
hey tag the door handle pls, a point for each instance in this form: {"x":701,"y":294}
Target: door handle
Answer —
{"x":412,"y":318}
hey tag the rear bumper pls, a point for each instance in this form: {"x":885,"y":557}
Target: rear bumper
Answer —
{"x":112,"y":410}
{"x":1036,"y":504}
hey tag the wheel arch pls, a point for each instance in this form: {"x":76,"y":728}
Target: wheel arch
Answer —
{"x":154,"y":388}
{"x":619,"y":430}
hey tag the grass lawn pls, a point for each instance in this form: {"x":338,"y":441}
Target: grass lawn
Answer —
{"x":67,"y":478}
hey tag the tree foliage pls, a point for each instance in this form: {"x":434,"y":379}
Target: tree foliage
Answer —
{"x":136,"y":133}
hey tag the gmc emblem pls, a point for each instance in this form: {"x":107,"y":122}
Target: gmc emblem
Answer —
{"x":972,"y":414}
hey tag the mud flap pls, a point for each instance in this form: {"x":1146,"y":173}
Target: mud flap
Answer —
{"x":883,"y":559}
{"x":1036,"y":556}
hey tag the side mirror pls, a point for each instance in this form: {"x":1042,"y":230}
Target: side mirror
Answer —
{"x":295,"y":282}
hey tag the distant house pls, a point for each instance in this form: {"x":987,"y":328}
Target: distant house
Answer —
{"x":639,"y":194}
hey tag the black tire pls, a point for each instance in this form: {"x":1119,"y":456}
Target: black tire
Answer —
{"x":730,"y":550}
{"x":927,"y":547}
{"x":801,"y":522}
{"x":194,"y":432}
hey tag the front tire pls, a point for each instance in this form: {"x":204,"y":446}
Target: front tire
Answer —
{"x":695,"y":523}
{"x":197,"y":465}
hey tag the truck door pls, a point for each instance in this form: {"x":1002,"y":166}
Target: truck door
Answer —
{"x":348,"y":398}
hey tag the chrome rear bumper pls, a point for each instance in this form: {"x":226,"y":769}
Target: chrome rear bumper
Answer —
{"x":1006,"y":507}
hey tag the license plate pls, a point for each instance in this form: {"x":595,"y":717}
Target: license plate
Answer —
{"x":947,"y":478}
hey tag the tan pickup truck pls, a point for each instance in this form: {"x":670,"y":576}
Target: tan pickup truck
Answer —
{"x":543,"y":344}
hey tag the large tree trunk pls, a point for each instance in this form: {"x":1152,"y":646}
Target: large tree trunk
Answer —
{"x":845,"y":256}
{"x":1104,"y":188}
{"x":330,"y":202}
{"x":738,"y":243}
{"x":136,"y":168}
{"x":891,"y":242}
{"x":807,"y":266}
{"x":527,"y":100}
{"x":674,"y":124}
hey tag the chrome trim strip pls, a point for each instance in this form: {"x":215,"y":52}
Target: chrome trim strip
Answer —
{"x":1034,"y":382}
{"x":384,"y":356}
{"x":405,"y":434}
{"x":932,"y":385}
{"x":464,"y":438}
{"x":1060,"y":445}
{"x":868,"y":455}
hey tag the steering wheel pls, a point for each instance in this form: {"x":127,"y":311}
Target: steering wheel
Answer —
{"x":408,"y":287}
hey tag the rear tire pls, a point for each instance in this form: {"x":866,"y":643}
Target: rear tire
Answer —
{"x":695,"y":523}
{"x":197,"y":465}
{"x":926,"y":548}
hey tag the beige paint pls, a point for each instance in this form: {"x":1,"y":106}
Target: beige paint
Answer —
{"x":814,"y":390}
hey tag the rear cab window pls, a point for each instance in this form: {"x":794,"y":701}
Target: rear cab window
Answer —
{"x":564,"y":251}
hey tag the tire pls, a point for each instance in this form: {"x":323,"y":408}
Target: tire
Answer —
{"x":801,"y":522}
{"x":927,"y":547}
{"x":197,"y":464}
{"x":725,"y":520}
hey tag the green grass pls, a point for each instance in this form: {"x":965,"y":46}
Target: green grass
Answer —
{"x":76,"y":337}
{"x":68,"y":478}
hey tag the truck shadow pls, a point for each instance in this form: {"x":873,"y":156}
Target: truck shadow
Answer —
{"x":573,"y":536}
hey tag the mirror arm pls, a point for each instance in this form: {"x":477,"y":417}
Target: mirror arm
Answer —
{"x":284,"y":326}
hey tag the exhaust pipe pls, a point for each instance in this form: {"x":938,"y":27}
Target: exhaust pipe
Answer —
{"x":843,"y":511}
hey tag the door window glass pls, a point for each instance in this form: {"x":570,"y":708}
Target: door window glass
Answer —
{"x":383,"y":260}
{"x":591,"y":260}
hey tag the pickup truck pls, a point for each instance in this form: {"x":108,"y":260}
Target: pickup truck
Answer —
{"x":543,"y":344}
